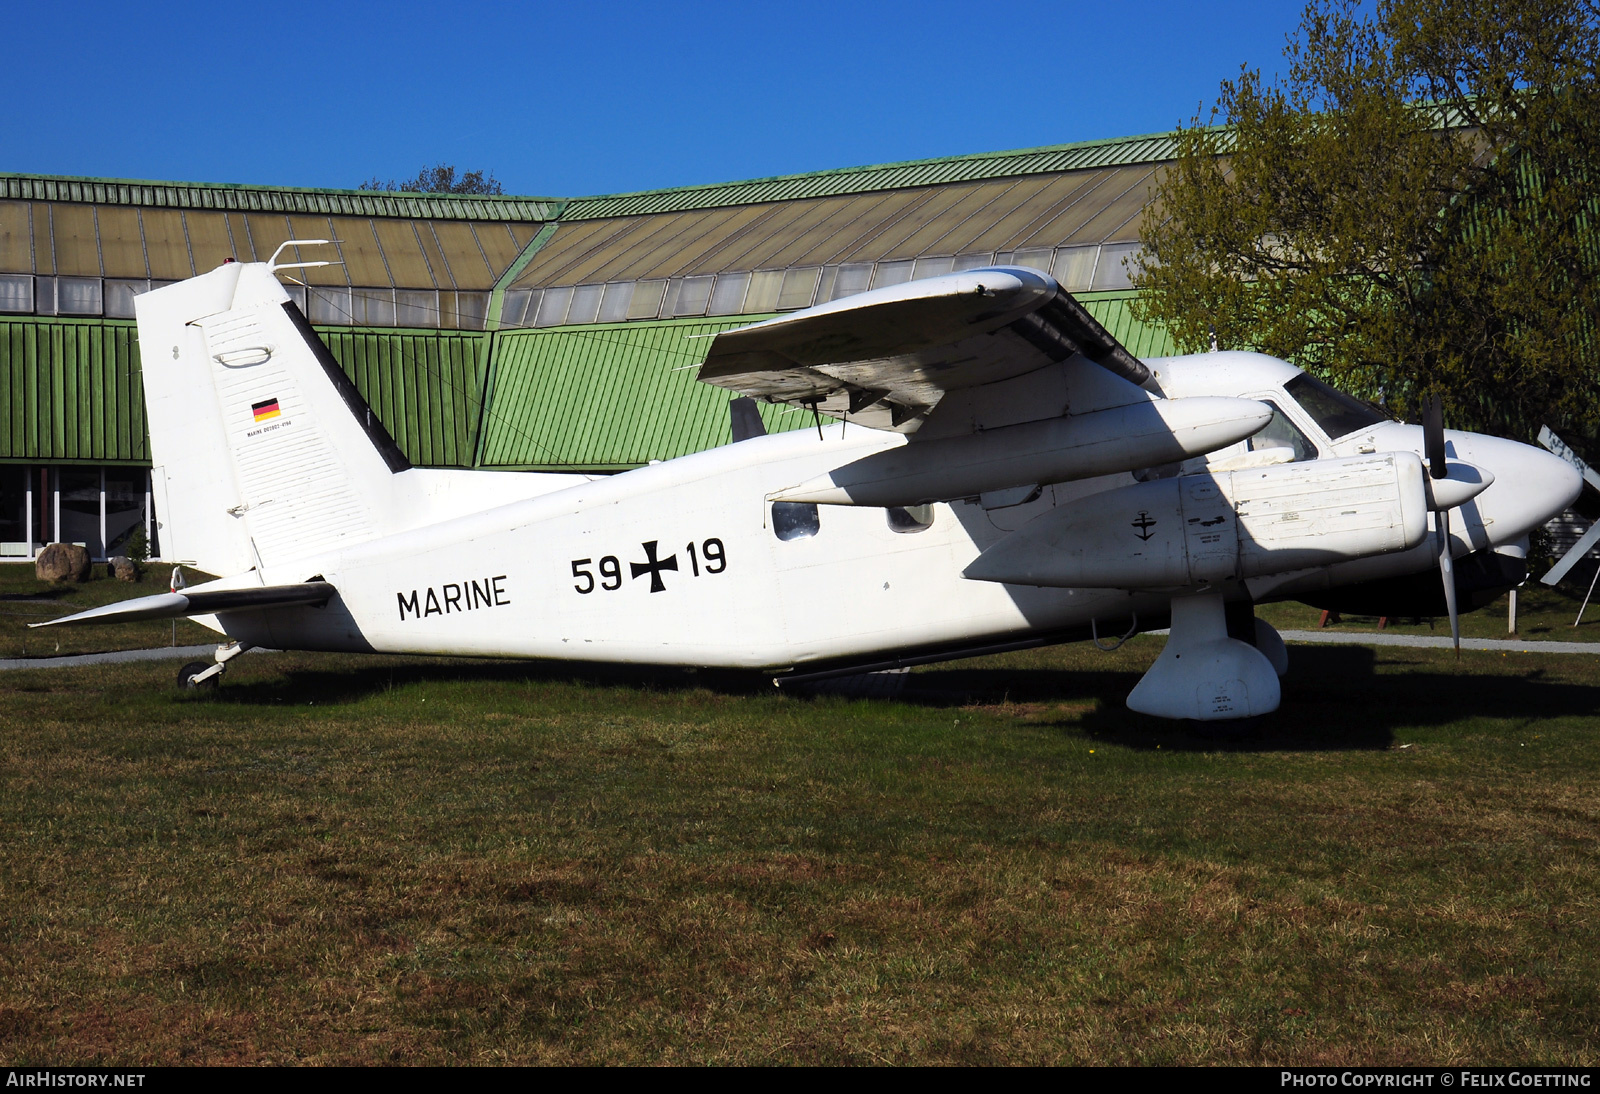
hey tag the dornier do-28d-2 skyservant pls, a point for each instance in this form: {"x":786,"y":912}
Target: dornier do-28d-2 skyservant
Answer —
{"x":998,"y":471}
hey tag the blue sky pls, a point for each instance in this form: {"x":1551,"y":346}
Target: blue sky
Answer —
{"x":572,"y":99}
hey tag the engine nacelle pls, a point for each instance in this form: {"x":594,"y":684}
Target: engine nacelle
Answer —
{"x":1199,"y":529}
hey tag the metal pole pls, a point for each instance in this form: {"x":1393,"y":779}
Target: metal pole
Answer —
{"x":1511,"y":618}
{"x":1586,"y":596}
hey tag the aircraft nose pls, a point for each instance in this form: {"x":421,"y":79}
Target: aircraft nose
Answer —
{"x":1530,"y":485}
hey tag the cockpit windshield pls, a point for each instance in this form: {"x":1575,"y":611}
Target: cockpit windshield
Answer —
{"x":1334,"y":412}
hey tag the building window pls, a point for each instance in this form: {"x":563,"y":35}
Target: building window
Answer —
{"x":119,"y":297}
{"x":728,"y":297}
{"x":330,"y":306}
{"x":124,"y":507}
{"x":853,"y":278}
{"x":892,"y":273}
{"x":799,"y":288}
{"x":44,"y":296}
{"x":100,"y":508}
{"x":78,"y":296}
{"x":16,"y":293}
{"x":687,"y":296}
{"x":765,"y":287}
{"x":585,"y":306}
{"x":646,"y":302}
{"x":1111,"y":272}
{"x":413,"y":308}
{"x":373,"y":307}
{"x":471,"y":310}
{"x":1074,"y":267}
{"x":615,"y":303}
{"x":16,"y":538}
{"x":78,"y":507}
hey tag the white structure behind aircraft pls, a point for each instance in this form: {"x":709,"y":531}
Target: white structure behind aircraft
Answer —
{"x":999,"y":472}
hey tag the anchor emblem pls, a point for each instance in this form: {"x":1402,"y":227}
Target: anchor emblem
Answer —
{"x":1144,"y":524}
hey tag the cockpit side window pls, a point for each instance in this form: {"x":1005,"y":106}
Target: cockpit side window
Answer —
{"x":1280,"y":432}
{"x":1335,"y":413}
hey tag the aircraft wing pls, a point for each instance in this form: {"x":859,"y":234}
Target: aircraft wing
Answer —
{"x":885,"y":358}
{"x":202,"y":602}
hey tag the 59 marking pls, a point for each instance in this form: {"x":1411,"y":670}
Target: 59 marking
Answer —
{"x":710,"y":557}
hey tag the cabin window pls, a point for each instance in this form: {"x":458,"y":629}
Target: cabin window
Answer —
{"x":912,"y":518}
{"x":795,"y":519}
{"x":1280,"y":432}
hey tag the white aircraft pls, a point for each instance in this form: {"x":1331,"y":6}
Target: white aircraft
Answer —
{"x":998,"y":472}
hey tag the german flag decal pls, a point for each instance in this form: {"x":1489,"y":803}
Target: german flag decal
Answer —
{"x":266,"y":409}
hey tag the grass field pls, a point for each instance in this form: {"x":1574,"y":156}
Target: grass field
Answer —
{"x":373,"y":860}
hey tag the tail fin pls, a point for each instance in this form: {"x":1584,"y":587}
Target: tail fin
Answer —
{"x":264,"y":450}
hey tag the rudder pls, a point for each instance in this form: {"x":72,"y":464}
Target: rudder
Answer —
{"x":264,"y":451}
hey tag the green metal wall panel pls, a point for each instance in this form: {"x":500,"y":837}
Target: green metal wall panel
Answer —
{"x":70,"y":392}
{"x":609,"y":397}
{"x":618,"y":396}
{"x":1114,"y":311}
{"x":597,"y":397}
{"x":426,"y":387}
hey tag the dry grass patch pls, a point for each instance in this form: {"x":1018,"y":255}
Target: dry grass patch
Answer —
{"x":347,"y":860}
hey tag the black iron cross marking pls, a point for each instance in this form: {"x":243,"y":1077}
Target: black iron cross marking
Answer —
{"x":654,"y":568}
{"x":1144,"y":524}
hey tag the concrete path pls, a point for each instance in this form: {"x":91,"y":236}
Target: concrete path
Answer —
{"x":1430,"y":641}
{"x":161,"y":653}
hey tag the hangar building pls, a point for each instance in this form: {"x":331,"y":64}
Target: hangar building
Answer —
{"x":508,"y":332}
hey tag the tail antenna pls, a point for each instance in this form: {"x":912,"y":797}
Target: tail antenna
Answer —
{"x":273,"y":265}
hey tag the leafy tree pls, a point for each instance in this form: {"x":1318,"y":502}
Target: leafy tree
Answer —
{"x":441,"y":179}
{"x":1410,"y":210}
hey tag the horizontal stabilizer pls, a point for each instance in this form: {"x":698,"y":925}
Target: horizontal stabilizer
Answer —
{"x":202,"y":602}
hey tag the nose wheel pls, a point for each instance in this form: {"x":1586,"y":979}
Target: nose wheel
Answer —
{"x":197,"y":675}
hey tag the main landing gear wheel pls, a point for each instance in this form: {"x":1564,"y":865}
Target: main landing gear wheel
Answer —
{"x":186,"y":675}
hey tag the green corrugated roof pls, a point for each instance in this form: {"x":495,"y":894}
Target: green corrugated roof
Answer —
{"x":1080,"y":155}
{"x":231,"y":197}
{"x":1151,"y":148}
{"x":607,"y":397}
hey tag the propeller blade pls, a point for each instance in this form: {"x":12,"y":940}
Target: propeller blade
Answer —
{"x":1447,"y":572}
{"x":1573,"y":556}
{"x":1433,"y":436}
